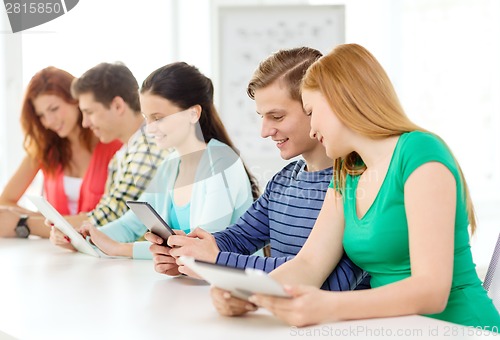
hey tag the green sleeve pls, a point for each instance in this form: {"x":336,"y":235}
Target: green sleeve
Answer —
{"x":421,"y":148}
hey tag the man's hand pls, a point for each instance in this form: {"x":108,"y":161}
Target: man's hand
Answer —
{"x":163,"y":262}
{"x":199,"y":244}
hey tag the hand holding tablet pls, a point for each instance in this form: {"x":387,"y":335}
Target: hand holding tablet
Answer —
{"x":241,"y":283}
{"x":151,"y":219}
{"x":77,"y":240}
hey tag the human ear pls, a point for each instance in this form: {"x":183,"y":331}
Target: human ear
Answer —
{"x":195,"y":114}
{"x":118,"y":104}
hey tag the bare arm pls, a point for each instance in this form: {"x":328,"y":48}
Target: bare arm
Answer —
{"x":13,"y":191}
{"x":19,"y":182}
{"x":37,"y":225}
{"x":105,"y":243}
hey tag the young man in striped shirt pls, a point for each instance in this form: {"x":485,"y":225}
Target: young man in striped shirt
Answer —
{"x":285,"y":214}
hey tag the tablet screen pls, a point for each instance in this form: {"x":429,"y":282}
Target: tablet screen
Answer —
{"x":151,"y":219}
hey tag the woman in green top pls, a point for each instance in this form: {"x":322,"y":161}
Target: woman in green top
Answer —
{"x":399,"y":202}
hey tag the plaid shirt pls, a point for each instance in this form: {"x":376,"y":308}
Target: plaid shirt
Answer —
{"x":129,"y":172}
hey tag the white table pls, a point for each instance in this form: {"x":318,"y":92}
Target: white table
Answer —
{"x":49,"y":293}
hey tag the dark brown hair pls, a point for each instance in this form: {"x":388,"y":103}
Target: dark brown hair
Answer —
{"x":107,"y":81}
{"x":185,"y":86}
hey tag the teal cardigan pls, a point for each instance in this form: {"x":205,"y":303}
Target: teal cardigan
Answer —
{"x":221,"y":194}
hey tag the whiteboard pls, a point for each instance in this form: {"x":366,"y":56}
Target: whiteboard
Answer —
{"x":248,"y":34}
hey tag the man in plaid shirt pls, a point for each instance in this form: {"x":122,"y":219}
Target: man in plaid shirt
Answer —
{"x":108,"y":96}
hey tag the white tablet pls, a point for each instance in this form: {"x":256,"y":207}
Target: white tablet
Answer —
{"x":241,"y":283}
{"x":77,"y":240}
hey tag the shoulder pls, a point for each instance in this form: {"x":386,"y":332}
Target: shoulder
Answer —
{"x":219,"y":156}
{"x":288,"y":171}
{"x":139,"y":141}
{"x":418,"y":148}
{"x":419,"y":139}
{"x":219,"y":150}
{"x":140,"y":147}
{"x":111,"y":146}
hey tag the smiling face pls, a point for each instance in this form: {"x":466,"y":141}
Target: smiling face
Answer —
{"x":56,"y":114}
{"x":97,"y":117}
{"x":326,"y":127}
{"x":170,"y":125}
{"x":284,"y":120}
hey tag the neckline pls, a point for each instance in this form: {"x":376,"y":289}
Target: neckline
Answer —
{"x":299,"y":171}
{"x":355,"y":188}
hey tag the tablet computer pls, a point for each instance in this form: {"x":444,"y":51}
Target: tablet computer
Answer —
{"x":50,"y":213}
{"x":151,"y":219}
{"x":241,"y":283}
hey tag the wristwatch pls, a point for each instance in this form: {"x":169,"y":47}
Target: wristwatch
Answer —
{"x":22,"y":230}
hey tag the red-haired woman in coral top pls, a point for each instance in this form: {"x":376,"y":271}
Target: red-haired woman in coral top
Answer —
{"x":73,"y":161}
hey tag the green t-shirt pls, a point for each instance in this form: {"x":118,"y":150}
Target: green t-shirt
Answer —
{"x":378,"y":242}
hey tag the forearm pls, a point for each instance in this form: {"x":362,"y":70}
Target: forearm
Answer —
{"x":12,"y":204}
{"x":409,"y":296}
{"x":124,"y":249}
{"x":307,"y":268}
{"x":8,"y":202}
{"x":298,"y":271}
{"x":37,"y":226}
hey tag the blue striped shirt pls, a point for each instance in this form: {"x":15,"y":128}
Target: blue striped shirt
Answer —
{"x":283,"y":217}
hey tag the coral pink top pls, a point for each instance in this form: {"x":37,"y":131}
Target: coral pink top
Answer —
{"x":93,"y":182}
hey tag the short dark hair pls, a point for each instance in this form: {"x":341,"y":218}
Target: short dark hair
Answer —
{"x":107,"y":81}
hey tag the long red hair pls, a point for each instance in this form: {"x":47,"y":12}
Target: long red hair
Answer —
{"x":44,"y":146}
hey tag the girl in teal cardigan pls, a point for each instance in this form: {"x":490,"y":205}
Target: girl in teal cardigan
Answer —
{"x":203,"y":182}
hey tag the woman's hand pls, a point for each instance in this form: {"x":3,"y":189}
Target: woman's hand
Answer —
{"x":305,"y":307}
{"x":106,"y":244}
{"x":228,"y":305}
{"x":59,"y":239}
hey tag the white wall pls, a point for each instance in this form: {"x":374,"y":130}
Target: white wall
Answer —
{"x":140,"y":35}
{"x":11,"y":151}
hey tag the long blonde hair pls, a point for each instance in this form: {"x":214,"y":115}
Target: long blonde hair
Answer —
{"x":362,"y":96}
